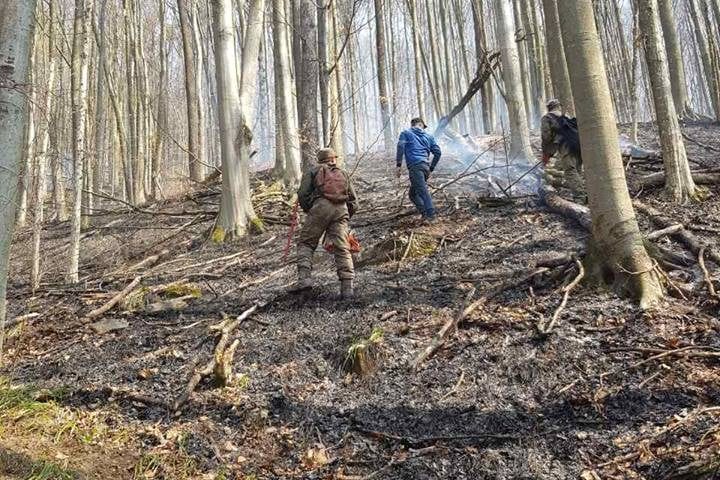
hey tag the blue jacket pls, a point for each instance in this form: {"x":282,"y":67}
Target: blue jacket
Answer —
{"x":416,"y":146}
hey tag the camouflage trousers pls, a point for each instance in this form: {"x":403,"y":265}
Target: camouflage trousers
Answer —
{"x":332,"y":220}
{"x":566,"y":172}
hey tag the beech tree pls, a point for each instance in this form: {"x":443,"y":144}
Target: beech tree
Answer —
{"x":615,"y":230}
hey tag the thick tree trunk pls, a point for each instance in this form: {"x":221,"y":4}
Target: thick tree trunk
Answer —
{"x":382,"y":74}
{"x":236,"y":210}
{"x":679,"y":184}
{"x":191,"y":92}
{"x":16,"y":32}
{"x":556,"y":57}
{"x":615,"y":228}
{"x":515,"y":100}
{"x":79,"y":81}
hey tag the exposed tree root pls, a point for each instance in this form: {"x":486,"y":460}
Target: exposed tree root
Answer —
{"x":546,"y":329}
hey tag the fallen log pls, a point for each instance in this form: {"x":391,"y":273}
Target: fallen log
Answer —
{"x":566,"y":208}
{"x":658,"y":179}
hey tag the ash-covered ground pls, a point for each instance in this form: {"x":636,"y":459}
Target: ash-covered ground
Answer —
{"x":612,"y":392}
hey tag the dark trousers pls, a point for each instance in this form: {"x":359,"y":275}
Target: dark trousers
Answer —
{"x":419,"y":193}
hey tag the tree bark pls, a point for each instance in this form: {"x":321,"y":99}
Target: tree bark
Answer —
{"x":481,"y":53}
{"x":679,"y":185}
{"x":615,"y":228}
{"x":419,"y":90}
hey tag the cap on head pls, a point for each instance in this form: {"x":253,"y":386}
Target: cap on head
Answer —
{"x":554,"y":104}
{"x":325,"y":155}
{"x":418,"y":122}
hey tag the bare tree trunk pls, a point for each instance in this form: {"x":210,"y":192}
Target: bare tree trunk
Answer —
{"x":615,"y":230}
{"x":236,"y":210}
{"x":162,"y":107}
{"x":679,"y":184}
{"x":191,"y":91}
{"x":286,"y":119}
{"x":674,"y":56}
{"x":100,"y":111}
{"x":514,"y":98}
{"x":16,"y":33}
{"x":26,"y":173}
{"x":556,"y":57}
{"x":701,"y":35}
{"x":382,"y":74}
{"x":307,"y":72}
{"x":79,"y":81}
{"x":481,"y":49}
{"x":419,"y":90}
{"x":43,"y":154}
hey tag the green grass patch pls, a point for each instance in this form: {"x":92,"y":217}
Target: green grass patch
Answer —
{"x":49,"y":471}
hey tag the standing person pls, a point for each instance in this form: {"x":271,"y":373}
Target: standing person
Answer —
{"x":560,"y":137}
{"x":327,"y":195}
{"x":416,"y":146}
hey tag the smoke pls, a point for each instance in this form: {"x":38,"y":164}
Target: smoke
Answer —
{"x":482,"y":165}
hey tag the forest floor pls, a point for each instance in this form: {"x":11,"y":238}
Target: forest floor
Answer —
{"x":610,"y":393}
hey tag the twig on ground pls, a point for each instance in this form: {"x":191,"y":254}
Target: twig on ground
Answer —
{"x":407,"y":251}
{"x":545,"y":330}
{"x":658,"y":234}
{"x":706,"y":274}
{"x":116,"y":299}
{"x":449,"y":327}
{"x":456,"y":387}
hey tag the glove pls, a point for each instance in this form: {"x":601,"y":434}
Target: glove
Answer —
{"x":398,"y":172}
{"x":545,"y":159}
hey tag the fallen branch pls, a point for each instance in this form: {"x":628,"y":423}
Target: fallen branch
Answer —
{"x":20,"y":319}
{"x":566,"y":208}
{"x":686,"y":237}
{"x":115,"y":300}
{"x":671,"y":230}
{"x":545,"y":330}
{"x":221,"y":353}
{"x":449,"y":327}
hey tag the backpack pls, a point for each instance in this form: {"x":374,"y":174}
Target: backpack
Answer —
{"x":568,"y":133}
{"x":332,"y":184}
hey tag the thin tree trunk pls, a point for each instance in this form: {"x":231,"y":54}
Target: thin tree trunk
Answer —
{"x":286,"y":118}
{"x":162,"y":107}
{"x":701,"y":35}
{"x":79,"y":81}
{"x":307,"y":72}
{"x":674,"y":56}
{"x":679,"y":185}
{"x":382,"y":74}
{"x":191,"y":92}
{"x":514,"y":98}
{"x":615,"y":230}
{"x":419,"y":90}
{"x":481,"y":52}
{"x":556,"y":57}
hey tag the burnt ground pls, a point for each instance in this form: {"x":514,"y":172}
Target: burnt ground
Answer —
{"x":594,"y":399}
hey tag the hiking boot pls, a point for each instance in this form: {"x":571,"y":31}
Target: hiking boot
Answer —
{"x":346,"y":290}
{"x":304,"y":282}
{"x":429,"y":220}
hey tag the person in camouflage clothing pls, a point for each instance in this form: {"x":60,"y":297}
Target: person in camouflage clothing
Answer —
{"x":328,"y":198}
{"x":560,"y":139}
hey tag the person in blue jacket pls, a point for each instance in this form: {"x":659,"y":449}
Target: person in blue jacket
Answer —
{"x":416,"y":146}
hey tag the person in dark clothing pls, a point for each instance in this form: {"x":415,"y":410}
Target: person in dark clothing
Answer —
{"x":563,"y":143}
{"x":415,"y":145}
